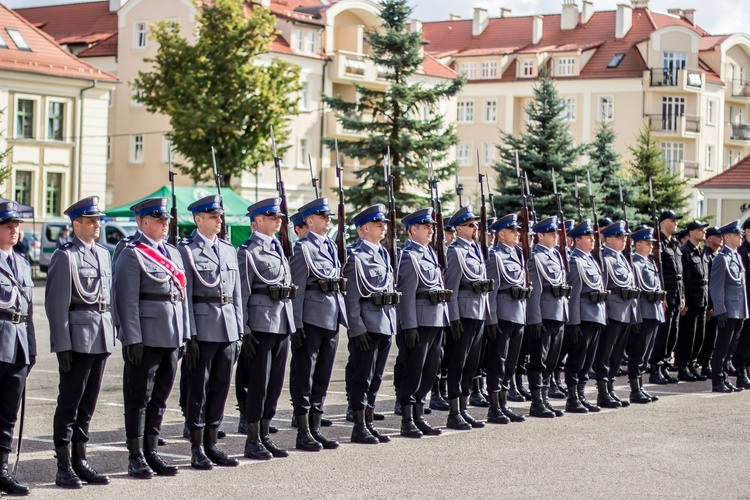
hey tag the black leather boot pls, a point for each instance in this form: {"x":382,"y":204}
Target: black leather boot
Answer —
{"x":538,"y":409}
{"x":315,"y":420}
{"x":557,"y":377}
{"x":656,"y":376}
{"x":684,"y":374}
{"x":185,"y":431}
{"x":494,"y":414}
{"x":66,"y":476}
{"x":137,"y":466}
{"x":82,"y":468}
{"x":653,"y":397}
{"x":253,"y":446}
{"x":513,"y":394}
{"x":350,"y":414}
{"x":611,"y":389}
{"x":503,"y":402}
{"x":463,"y":404}
{"x":603,"y":397}
{"x":555,"y":391}
{"x":422,"y":424}
{"x":476,"y":398}
{"x":213,"y":452}
{"x":305,"y":441}
{"x":444,"y":388}
{"x":667,"y":376}
{"x":265,"y":438}
{"x":242,"y":425}
{"x":730,"y":369}
{"x":360,"y":432}
{"x":153,"y":459}
{"x":198,"y":458}
{"x":455,"y":419}
{"x":591,"y":407}
{"x":732,"y":386}
{"x":636,"y":395}
{"x":437,"y":402}
{"x":573,"y":404}
{"x":369,"y":418}
{"x":8,"y":483}
{"x":693,"y":367}
{"x":548,"y":405}
{"x":521,"y":390}
{"x":397,"y":403}
{"x":743,"y":381}
{"x":408,"y":427}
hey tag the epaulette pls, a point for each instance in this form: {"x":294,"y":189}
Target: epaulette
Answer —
{"x":245,"y":245}
{"x":185,"y":240}
{"x":100,"y":245}
{"x":131,"y":244}
{"x":228,"y":243}
{"x":166,"y":243}
{"x":67,"y":245}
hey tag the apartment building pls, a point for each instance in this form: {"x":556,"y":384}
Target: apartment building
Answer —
{"x":727,"y":195}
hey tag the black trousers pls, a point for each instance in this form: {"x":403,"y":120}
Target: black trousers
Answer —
{"x":445,"y":354}
{"x":241,"y":381}
{"x":581,"y":355}
{"x":78,"y":391}
{"x":12,"y":383}
{"x":692,"y":331}
{"x":502,"y":355}
{"x":666,"y":335}
{"x":184,"y":389}
{"x":523,"y":357}
{"x":147,"y":390}
{"x":208,"y":384}
{"x":464,"y":358}
{"x":482,"y":369}
{"x":310,"y":369}
{"x":563,"y":351}
{"x":265,"y":372}
{"x":420,"y":365}
{"x":741,"y":356}
{"x":707,"y":349}
{"x":638,"y":346}
{"x":366,"y":372}
{"x":544,"y":353}
{"x":724,"y":338}
{"x":611,"y":349}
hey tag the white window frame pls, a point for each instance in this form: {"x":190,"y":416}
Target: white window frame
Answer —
{"x":18,"y":39}
{"x":527,"y":69}
{"x":463,"y":154}
{"x":65,"y":115}
{"x":711,"y":112}
{"x":465,"y":111}
{"x":303,"y":148}
{"x":673,"y":153}
{"x":488,"y":154}
{"x":137,"y":144}
{"x":468,"y":69}
{"x":606,"y":108}
{"x":140,"y":35}
{"x":165,"y":150}
{"x":35,"y":116}
{"x":569,"y":114}
{"x":489,"y":69}
{"x":425,"y":111}
{"x":489,"y":111}
{"x":134,"y":102}
{"x":304,"y":97}
{"x":566,"y":66}
{"x":710,"y":157}
{"x":311,"y":43}
{"x":299,"y":45}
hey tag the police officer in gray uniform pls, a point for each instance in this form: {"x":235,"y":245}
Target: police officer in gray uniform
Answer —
{"x":587,"y":316}
{"x":267,"y":294}
{"x":77,"y":301}
{"x":505,"y":327}
{"x":152,"y":307}
{"x":468,"y":308}
{"x":621,"y":306}
{"x":17,"y":339}
{"x":318,"y":311}
{"x":215,"y":305}
{"x":423,"y":313}
{"x":729,"y":298}
{"x":371,"y":301}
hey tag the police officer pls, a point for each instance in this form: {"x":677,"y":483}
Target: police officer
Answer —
{"x":64,"y":237}
{"x":371,"y":302}
{"x":666,"y":336}
{"x":77,"y":301}
{"x":504,"y":328}
{"x":300,"y":227}
{"x":318,"y":311}
{"x":729,"y":298}
{"x":587,"y":316}
{"x":423,"y":314}
{"x":267,"y":293}
{"x":215,"y":305}
{"x":557,"y":388}
{"x":468,"y":308}
{"x":151,"y":302}
{"x":621,"y":313}
{"x":713,"y":245}
{"x":741,"y":357}
{"x":18,"y":342}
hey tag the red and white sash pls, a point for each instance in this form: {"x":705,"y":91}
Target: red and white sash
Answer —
{"x":157,"y":258}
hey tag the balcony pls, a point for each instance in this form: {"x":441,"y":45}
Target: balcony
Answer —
{"x":687,"y":80}
{"x":738,"y":132}
{"x":678,"y":125}
{"x":689,"y":170}
{"x":740,"y":89}
{"x":353,"y":66}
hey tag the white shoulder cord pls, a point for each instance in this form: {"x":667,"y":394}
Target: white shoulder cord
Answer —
{"x":87,"y":297}
{"x":596,"y":285}
{"x":142,"y":264}
{"x":427,"y":282}
{"x":468,"y":273}
{"x":738,"y":278}
{"x":311,"y":268}
{"x":610,"y":272}
{"x":501,"y":271}
{"x":369,"y":287}
{"x":272,"y":282}
{"x":197,"y":274}
{"x":543,"y":274}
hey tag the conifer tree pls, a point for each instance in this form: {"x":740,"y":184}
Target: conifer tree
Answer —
{"x":608,"y":174}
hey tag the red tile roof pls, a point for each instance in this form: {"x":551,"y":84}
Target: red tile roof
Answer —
{"x":105,"y":48}
{"x":74,"y":22}
{"x":737,"y":176}
{"x":433,"y":67}
{"x":46,"y":56}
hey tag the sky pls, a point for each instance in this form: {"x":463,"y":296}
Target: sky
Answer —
{"x":723,"y":16}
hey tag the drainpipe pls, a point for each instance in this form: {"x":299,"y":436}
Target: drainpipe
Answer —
{"x":80,"y":140}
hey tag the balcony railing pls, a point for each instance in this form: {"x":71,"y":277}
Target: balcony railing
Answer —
{"x":740,"y":132}
{"x":670,"y":77}
{"x":740,"y":89}
{"x":685,"y":169}
{"x":674,"y":123}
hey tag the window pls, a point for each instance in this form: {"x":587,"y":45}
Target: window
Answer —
{"x":709,"y":157}
{"x":527,"y":69}
{"x":55,"y":120}
{"x":25,"y":119}
{"x":109,"y":150}
{"x":111,"y":98}
{"x":135,"y":98}
{"x":355,"y":67}
{"x":673,"y":62}
{"x":468,"y":69}
{"x":606,"y":109}
{"x":304,"y":98}
{"x":569,"y":113}
{"x":166,"y":154}
{"x":425,"y":113}
{"x":463,"y":154}
{"x":23,"y":187}
{"x":382,"y":71}
{"x":616,"y":60}
{"x":311,"y":39}
{"x":729,"y":158}
{"x":566,"y":66}
{"x":673,"y":153}
{"x":711,"y":112}
{"x":302,"y":152}
{"x":489,"y":69}
{"x":488,"y":154}
{"x":53,"y":194}
{"x":3,"y":43}
{"x":300,"y":37}
{"x":18,"y":39}
{"x":465,"y":111}
{"x":139,"y":38}
{"x":490,"y":111}
{"x":136,"y":149}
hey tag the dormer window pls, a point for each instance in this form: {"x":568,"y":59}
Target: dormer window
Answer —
{"x":566,"y":66}
{"x":489,"y":69}
{"x":300,"y":45}
{"x":468,"y":69}
{"x":311,"y":42}
{"x":527,"y":69}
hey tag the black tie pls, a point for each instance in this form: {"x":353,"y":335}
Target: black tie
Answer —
{"x":277,"y":247}
{"x":215,"y":249}
{"x":329,"y":246}
{"x":476,"y":250}
{"x":163,"y":250}
{"x":382,"y":255}
{"x":12,"y":266}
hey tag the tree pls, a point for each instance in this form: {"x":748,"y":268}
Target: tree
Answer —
{"x":608,"y":174}
{"x":404,"y":118}
{"x":5,"y":169}
{"x":545,"y":146}
{"x":669,"y":189}
{"x":215,"y":92}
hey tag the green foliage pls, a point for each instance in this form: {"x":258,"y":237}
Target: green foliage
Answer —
{"x":5,"y":169}
{"x":216,"y":93}
{"x":608,"y":176}
{"x":395,"y":118}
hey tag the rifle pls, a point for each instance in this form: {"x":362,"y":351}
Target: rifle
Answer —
{"x":172,"y":237}
{"x":438,"y":237}
{"x":286,"y":242}
{"x":578,"y":201}
{"x":312,"y":176}
{"x":628,"y":250}
{"x":564,"y":233}
{"x":459,"y":189}
{"x":656,"y":250}
{"x":390,"y":236}
{"x":491,"y":196}
{"x":525,"y":225}
{"x":217,"y":180}
{"x":597,"y":242}
{"x":341,"y":233}
{"x":482,"y":213}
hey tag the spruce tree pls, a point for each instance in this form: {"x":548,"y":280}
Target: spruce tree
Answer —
{"x":608,"y":174}
{"x":392,"y":118}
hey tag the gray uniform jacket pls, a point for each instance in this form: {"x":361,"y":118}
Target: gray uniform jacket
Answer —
{"x":464,"y":265}
{"x":618,"y":275}
{"x":315,"y":258}
{"x":419,"y":272}
{"x":727,"y":285}
{"x":505,"y":266}
{"x":648,"y":281}
{"x":115,"y":255}
{"x":79,"y":278}
{"x":261,"y":266}
{"x":212,"y":320}
{"x":367,"y":272}
{"x":585,"y":276}
{"x":546,"y":270}
{"x":154,"y":323}
{"x":13,"y":334}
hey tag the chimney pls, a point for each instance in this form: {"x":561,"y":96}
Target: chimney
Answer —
{"x":114,"y":5}
{"x":481,"y":20}
{"x":454,"y":17}
{"x":416,"y":25}
{"x":624,"y":20}
{"x":639,"y":4}
{"x":587,"y":11}
{"x":505,"y":12}
{"x":537,"y":29}
{"x":263,"y":3}
{"x":690,"y":16}
{"x":569,"y":18}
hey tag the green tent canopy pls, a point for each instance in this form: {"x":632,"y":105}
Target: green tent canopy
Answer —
{"x":235,"y":208}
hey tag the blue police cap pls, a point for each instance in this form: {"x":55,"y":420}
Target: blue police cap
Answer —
{"x":509,"y":221}
{"x":643,"y":234}
{"x":463,"y":215}
{"x":269,"y":206}
{"x":209,"y":204}
{"x":569,"y":225}
{"x":319,"y":206}
{"x":447,"y":225}
{"x":375,"y":213}
{"x":548,"y":225}
{"x":87,"y":207}
{"x":732,"y":227}
{"x":614,"y":229}
{"x":421,"y":216}
{"x":9,"y":212}
{"x":297,"y":219}
{"x":152,"y":207}
{"x":582,"y":229}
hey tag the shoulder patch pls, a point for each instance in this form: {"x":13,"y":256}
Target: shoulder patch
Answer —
{"x":67,"y":246}
{"x":185,"y":241}
{"x":131,"y":244}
